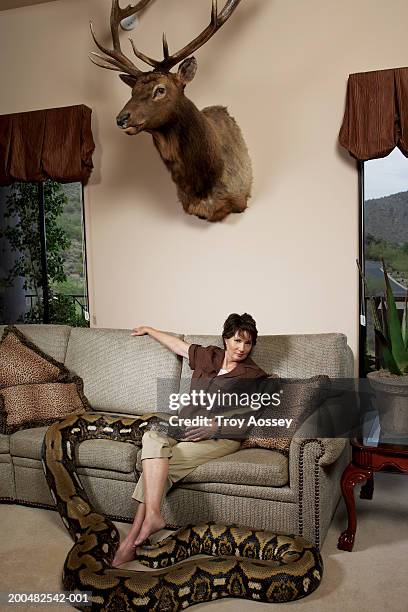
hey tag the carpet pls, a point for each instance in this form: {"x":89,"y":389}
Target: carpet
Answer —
{"x":372,"y":578}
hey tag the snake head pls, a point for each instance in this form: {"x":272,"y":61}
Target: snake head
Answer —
{"x":289,"y":548}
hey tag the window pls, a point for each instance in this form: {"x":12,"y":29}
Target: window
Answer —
{"x":30,"y":273}
{"x":385,"y":236}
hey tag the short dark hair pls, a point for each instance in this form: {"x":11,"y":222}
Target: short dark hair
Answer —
{"x":236,"y":323}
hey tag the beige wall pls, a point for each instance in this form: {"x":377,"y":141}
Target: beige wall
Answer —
{"x":11,"y":4}
{"x":281,"y":67}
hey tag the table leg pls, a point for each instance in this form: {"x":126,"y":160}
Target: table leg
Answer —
{"x":366,"y":491}
{"x":352,"y":475}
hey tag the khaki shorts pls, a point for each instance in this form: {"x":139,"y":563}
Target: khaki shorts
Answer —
{"x":184,"y":457}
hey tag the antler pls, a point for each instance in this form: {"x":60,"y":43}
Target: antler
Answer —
{"x":217,"y":20}
{"x":116,"y":60}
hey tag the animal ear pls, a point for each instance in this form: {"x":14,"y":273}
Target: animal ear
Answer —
{"x":128,"y":79}
{"x":187,"y":70}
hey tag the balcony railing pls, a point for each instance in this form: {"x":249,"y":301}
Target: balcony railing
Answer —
{"x":78,"y":300}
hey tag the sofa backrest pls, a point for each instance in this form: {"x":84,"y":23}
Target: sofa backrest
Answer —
{"x":290,"y":356}
{"x":122,"y":373}
{"x":135,"y":374}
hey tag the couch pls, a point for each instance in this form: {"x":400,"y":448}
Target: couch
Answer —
{"x":122,"y":374}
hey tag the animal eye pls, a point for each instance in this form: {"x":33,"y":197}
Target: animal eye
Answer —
{"x":159,"y":91}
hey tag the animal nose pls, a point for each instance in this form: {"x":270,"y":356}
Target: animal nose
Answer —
{"x":122,"y":119}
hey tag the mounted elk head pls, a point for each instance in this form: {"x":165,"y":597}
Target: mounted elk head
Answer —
{"x":204,"y":150}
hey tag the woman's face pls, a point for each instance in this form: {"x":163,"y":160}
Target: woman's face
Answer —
{"x":239,"y":346}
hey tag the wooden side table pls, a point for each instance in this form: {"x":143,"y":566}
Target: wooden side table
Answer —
{"x":365,"y":461}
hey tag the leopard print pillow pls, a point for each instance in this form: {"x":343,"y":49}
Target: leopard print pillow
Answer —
{"x":22,"y":362}
{"x":299,"y":398}
{"x":32,"y":405}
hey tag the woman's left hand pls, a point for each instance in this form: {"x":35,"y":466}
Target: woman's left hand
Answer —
{"x":195,"y":434}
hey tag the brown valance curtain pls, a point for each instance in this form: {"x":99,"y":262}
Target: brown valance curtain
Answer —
{"x":376,"y":115}
{"x":53,"y":143}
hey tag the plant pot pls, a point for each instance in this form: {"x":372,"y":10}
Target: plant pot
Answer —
{"x":391,"y":401}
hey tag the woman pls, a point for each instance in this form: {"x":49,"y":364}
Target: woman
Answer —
{"x":166,"y":460}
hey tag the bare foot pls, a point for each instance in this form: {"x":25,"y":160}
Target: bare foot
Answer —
{"x":124,"y":554}
{"x":126,"y":550}
{"x":153,"y":522}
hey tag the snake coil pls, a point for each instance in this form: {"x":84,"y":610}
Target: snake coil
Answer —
{"x":255,"y":565}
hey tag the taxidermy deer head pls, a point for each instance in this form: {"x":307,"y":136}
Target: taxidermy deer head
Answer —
{"x":204,"y":150}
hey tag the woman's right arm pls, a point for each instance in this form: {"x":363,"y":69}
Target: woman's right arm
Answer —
{"x":177,"y":345}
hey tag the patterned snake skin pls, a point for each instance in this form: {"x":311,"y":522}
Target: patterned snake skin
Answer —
{"x":273,"y":568}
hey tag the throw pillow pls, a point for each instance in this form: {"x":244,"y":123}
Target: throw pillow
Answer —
{"x":299,"y":398}
{"x":23,"y":362}
{"x":32,"y":405}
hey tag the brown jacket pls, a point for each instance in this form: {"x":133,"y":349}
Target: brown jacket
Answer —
{"x":206,"y":361}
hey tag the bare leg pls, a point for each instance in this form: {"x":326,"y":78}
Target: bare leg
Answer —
{"x":155,"y":473}
{"x":126,"y":550}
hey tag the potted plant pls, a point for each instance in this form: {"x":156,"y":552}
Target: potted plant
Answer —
{"x":390,"y":383}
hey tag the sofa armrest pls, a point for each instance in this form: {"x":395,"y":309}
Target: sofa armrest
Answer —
{"x":315,"y":468}
{"x":326,"y":450}
{"x":307,"y":456}
{"x":319,"y":429}
{"x":333,"y":448}
{"x":328,"y":430}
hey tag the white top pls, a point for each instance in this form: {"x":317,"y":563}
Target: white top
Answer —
{"x":222,"y":372}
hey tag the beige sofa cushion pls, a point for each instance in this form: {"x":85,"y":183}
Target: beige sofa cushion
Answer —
{"x":4,"y":444}
{"x":107,"y":455}
{"x":250,"y":466}
{"x":99,"y":454}
{"x":123,"y":373}
{"x":253,"y":466}
{"x":27,"y":442}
